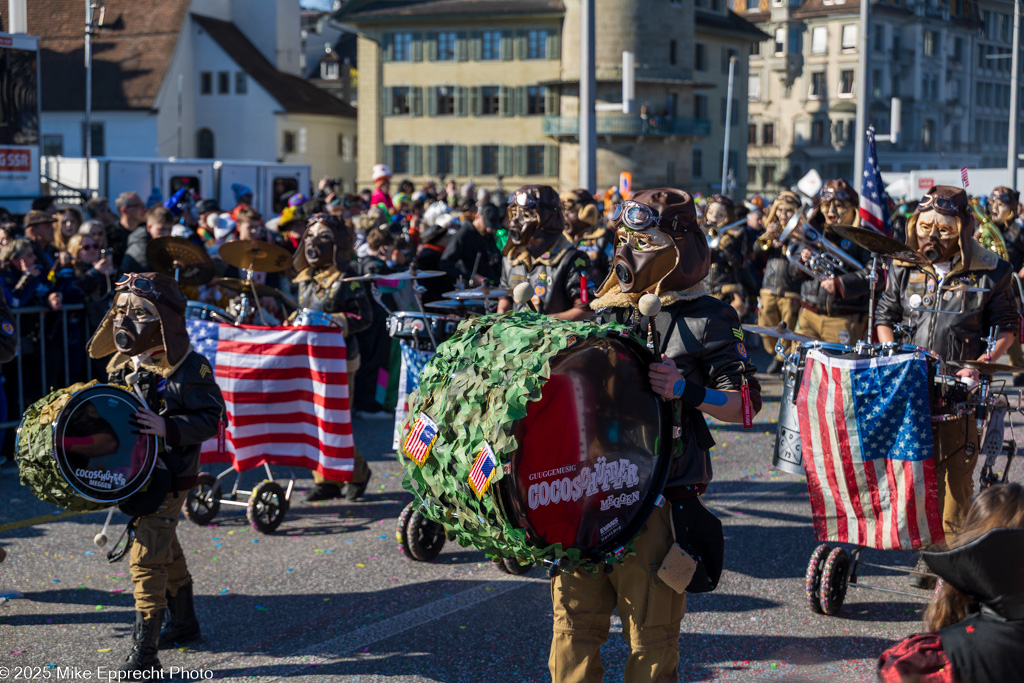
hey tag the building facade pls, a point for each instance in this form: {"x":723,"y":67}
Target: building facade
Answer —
{"x":488,"y":89}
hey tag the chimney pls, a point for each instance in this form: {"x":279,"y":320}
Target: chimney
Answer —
{"x":18,"y":16}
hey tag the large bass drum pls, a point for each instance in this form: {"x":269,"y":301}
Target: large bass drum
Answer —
{"x":78,"y":447}
{"x":581,"y":445}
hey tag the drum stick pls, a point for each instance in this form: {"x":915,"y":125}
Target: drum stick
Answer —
{"x":650,"y":306}
{"x":522,"y":294}
{"x":476,"y":264}
{"x":100,"y":539}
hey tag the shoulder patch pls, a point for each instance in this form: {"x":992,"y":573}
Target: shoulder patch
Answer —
{"x":917,"y":277}
{"x":353,"y":286}
{"x":738,"y":333}
{"x":8,"y":327}
{"x":205,"y":370}
{"x":742,"y":350}
{"x":580,"y":263}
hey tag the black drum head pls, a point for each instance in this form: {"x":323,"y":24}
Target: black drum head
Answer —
{"x":95,"y":447}
{"x":594,"y":451}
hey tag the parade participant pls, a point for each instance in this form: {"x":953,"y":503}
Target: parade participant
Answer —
{"x":661,"y":250}
{"x":243,"y":199}
{"x":586,"y":231}
{"x":1002,"y":209}
{"x":433,"y":240}
{"x":159,"y":223}
{"x":473,"y":245}
{"x":145,"y":330}
{"x":322,"y":260}
{"x":538,"y":252}
{"x":381,"y":183}
{"x":835,"y":310}
{"x":975,"y":622}
{"x":780,"y":288}
{"x":728,"y":252}
{"x":941,"y":229}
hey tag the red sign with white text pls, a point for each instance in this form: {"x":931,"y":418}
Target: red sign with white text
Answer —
{"x":13,"y":159}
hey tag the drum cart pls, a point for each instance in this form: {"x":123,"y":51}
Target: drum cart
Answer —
{"x":265,"y":505}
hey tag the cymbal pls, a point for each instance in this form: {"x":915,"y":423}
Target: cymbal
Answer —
{"x":987,"y":368}
{"x":255,"y":255}
{"x":461,"y":303}
{"x":478,"y":293}
{"x":403,"y":275}
{"x":877,"y":243}
{"x":195,"y":267}
{"x":236,"y":285}
{"x":780,"y":332}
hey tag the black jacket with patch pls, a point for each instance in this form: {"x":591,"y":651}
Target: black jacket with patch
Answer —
{"x":554,"y":276}
{"x":853,"y":288}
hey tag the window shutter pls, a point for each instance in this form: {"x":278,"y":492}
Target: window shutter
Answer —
{"x":475,"y":48}
{"x":431,"y":94}
{"x":507,"y":51}
{"x":388,"y":47}
{"x":462,"y":47}
{"x":520,"y":108}
{"x":474,"y":101}
{"x":389,"y":155}
{"x":506,"y":160}
{"x":417,"y":101}
{"x":551,"y":101}
{"x":430,"y":51}
{"x":505,"y":105}
{"x":474,"y":161}
{"x":521,"y":46}
{"x":417,"y":159}
{"x":389,"y":102}
{"x":431,"y":160}
{"x":460,"y":166}
{"x":461,"y":102}
{"x":521,"y":160}
{"x":551,"y":161}
{"x":554,"y":45}
{"x":417,"y":47}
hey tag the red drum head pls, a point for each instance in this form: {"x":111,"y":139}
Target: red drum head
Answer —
{"x":594,"y":450}
{"x":96,"y":449}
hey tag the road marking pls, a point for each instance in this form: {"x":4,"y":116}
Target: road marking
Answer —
{"x":331,"y":651}
{"x":38,"y":520}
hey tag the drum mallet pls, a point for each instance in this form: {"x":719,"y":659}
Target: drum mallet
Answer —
{"x":100,"y":539}
{"x":650,"y":306}
{"x":523,"y":293}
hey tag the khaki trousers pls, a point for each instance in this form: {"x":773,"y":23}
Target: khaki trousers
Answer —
{"x":773,"y":310}
{"x":838,"y":329}
{"x":651,"y":613}
{"x":360,"y":469}
{"x":157,"y":562}
{"x":955,"y":469}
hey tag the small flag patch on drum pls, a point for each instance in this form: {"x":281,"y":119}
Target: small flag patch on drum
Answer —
{"x":420,"y":440}
{"x":8,"y":328}
{"x":483,"y":471}
{"x":742,"y":350}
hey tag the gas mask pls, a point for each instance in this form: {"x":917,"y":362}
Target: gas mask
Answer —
{"x":938,"y":236}
{"x":318,"y":246}
{"x":534,"y":220}
{"x":136,"y":325}
{"x":643,"y":258}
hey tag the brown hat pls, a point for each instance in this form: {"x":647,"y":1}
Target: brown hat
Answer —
{"x":39,"y":218}
{"x":1006,"y":194}
{"x":675,"y":207}
{"x":837,"y":188}
{"x":342,"y":241}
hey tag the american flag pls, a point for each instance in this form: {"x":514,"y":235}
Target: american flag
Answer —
{"x":413,"y":363}
{"x":483,"y":470}
{"x":874,"y":206}
{"x":286,"y":391}
{"x":963,"y":177}
{"x":865,"y":427}
{"x":421,"y":439}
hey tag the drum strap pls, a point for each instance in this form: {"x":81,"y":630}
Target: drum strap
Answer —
{"x":118,"y":553}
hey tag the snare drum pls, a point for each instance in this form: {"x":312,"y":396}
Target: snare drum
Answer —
{"x":564,"y":436}
{"x":949,"y":399}
{"x":412,"y":326}
{"x":76,"y":447}
{"x":307,"y":317}
{"x":197,"y":310}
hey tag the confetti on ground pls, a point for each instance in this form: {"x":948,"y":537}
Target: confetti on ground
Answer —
{"x":105,"y":649}
{"x":360,"y":564}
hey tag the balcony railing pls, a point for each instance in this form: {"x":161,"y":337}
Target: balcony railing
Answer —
{"x":632,"y":126}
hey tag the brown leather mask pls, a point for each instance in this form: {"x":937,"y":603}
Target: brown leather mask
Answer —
{"x":534,"y":219}
{"x":580,"y":212}
{"x":638,"y":271}
{"x":136,"y":325}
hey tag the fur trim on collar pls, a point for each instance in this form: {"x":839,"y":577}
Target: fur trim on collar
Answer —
{"x":551,"y":257}
{"x":610,"y":296}
{"x":159,"y":364}
{"x":325,"y":278}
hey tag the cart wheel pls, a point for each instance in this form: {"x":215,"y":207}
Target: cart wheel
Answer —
{"x":203,"y":501}
{"x":833,"y":581}
{"x":814,"y":569}
{"x":424,"y":536}
{"x":266,"y":506}
{"x":402,"y":532}
{"x":512,"y":566}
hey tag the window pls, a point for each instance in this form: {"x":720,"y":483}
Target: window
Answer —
{"x":700,"y":106}
{"x":878,"y":42}
{"x":53,"y":145}
{"x":98,"y":139}
{"x":535,"y":96}
{"x":876,"y":83}
{"x":755,"y":49}
{"x":205,"y":83}
{"x":241,"y":83}
{"x":768,"y":134}
{"x":699,"y":57}
{"x":223,"y":82}
{"x":958,"y":49}
{"x":817,"y":90}
{"x":341,"y":145}
{"x":818,"y":133}
{"x":780,"y":41}
{"x":841,"y":131}
{"x":928,"y":136}
{"x":204,"y":144}
{"x":536,"y":44}
{"x":751,"y":173}
{"x":846,"y":83}
{"x":752,"y":134}
{"x":727,"y":55}
{"x":489,"y":159}
{"x":535,"y":160}
{"x":490,"y":45}
{"x":671,"y":52}
{"x":768,"y":175}
{"x":671,"y":105}
{"x":696,"y":163}
{"x":850,"y":37}
{"x":400,"y":101}
{"x":929,"y":43}
{"x":489,"y":100}
{"x":819,"y":40}
{"x":400,"y":158}
{"x":754,"y":87}
{"x":445,"y":159}
{"x":445,"y":100}
{"x":795,"y":46}
{"x":446,"y":46}
{"x":401,"y":47}
{"x":289,"y":142}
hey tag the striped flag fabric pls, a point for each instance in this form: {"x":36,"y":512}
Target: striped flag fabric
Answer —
{"x":286,"y":392}
{"x":866,"y":438}
{"x":874,"y":204}
{"x":483,"y":471}
{"x":963,"y":177}
{"x":421,"y":439}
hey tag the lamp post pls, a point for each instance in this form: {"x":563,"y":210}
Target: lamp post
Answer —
{"x":588,"y":99}
{"x":728,"y":124}
{"x":1011,"y":135}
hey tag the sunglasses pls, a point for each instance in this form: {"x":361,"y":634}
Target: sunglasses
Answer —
{"x":943,"y":205}
{"x":830,"y":193}
{"x":635,"y":215}
{"x":89,"y":247}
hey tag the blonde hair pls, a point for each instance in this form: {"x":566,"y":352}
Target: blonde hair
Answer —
{"x":75,"y":244}
{"x":996,"y":507}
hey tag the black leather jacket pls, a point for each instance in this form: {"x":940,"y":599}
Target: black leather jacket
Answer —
{"x":727,"y":264}
{"x":954,"y":336}
{"x":325,"y":291}
{"x":703,"y":336}
{"x":555,"y":276}
{"x":192,"y":406}
{"x":853,"y":288}
{"x":780,"y":276}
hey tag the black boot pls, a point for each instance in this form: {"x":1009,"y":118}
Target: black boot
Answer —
{"x":145,"y":637}
{"x":182,"y":627}
{"x":775,"y":367}
{"x":323,"y":492}
{"x":355,"y":491}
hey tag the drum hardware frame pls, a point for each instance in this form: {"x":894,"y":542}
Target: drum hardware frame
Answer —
{"x":417,"y":291}
{"x":213,"y":499}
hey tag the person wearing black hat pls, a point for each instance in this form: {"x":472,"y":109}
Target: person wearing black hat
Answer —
{"x":474,"y":244}
{"x":433,"y":242}
{"x":942,"y":230}
{"x":145,"y":332}
{"x":661,"y":252}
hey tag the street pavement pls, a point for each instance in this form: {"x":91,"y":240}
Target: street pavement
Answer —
{"x":329,"y":596}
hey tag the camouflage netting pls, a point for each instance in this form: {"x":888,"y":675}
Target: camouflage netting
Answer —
{"x":37,"y":467}
{"x":476,"y":388}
